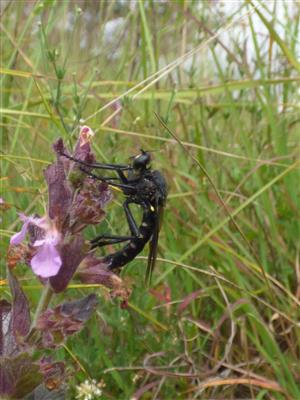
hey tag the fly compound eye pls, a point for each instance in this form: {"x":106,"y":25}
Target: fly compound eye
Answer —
{"x":141,"y":160}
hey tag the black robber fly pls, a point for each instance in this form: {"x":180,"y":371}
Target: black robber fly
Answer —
{"x":142,"y":186}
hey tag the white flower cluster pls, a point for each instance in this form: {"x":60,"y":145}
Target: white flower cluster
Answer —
{"x":88,"y":390}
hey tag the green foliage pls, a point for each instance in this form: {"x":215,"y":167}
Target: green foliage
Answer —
{"x":233,"y":106}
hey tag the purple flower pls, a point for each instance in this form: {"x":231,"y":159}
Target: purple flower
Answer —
{"x":85,"y":135}
{"x":18,"y":237}
{"x":57,"y":245}
{"x":47,"y":261}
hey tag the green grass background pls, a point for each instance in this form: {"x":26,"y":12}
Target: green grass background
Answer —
{"x":221,"y":320}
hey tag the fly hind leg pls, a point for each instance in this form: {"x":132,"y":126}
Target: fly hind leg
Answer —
{"x":104,"y":240}
{"x":134,"y":230}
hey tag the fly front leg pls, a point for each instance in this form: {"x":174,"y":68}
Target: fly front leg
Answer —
{"x":125,"y":187}
{"x":113,"y":167}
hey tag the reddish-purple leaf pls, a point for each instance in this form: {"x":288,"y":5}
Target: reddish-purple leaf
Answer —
{"x":65,"y":320}
{"x":42,"y":393}
{"x":94,"y":270}
{"x":80,"y":310}
{"x":7,"y":340}
{"x":60,"y":193}
{"x":60,"y":148}
{"x":83,"y":152}
{"x":20,"y":309}
{"x":100,"y":276}
{"x":18,"y":376}
{"x":5,"y":309}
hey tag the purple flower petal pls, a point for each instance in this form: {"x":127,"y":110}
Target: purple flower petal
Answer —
{"x":18,"y":237}
{"x":47,"y":261}
{"x":83,"y":149}
{"x":85,"y":135}
{"x":39,"y":242}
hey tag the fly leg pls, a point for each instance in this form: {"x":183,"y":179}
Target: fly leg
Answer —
{"x":123,"y":186}
{"x":113,"y":167}
{"x":130,"y":219}
{"x":105,"y":178}
{"x":104,"y":240}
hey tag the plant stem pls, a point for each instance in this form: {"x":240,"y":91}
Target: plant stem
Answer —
{"x":43,"y":303}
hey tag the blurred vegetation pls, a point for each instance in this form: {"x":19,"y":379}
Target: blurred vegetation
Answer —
{"x":221,"y":319}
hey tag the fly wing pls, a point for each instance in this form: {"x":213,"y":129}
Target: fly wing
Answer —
{"x":153,"y":244}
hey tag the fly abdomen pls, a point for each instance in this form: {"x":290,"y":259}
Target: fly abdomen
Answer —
{"x":125,"y":255}
{"x":134,"y":247}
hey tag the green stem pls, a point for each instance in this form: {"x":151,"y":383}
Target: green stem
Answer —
{"x":43,"y":303}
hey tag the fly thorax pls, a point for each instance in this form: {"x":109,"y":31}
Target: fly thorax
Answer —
{"x":134,"y":175}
